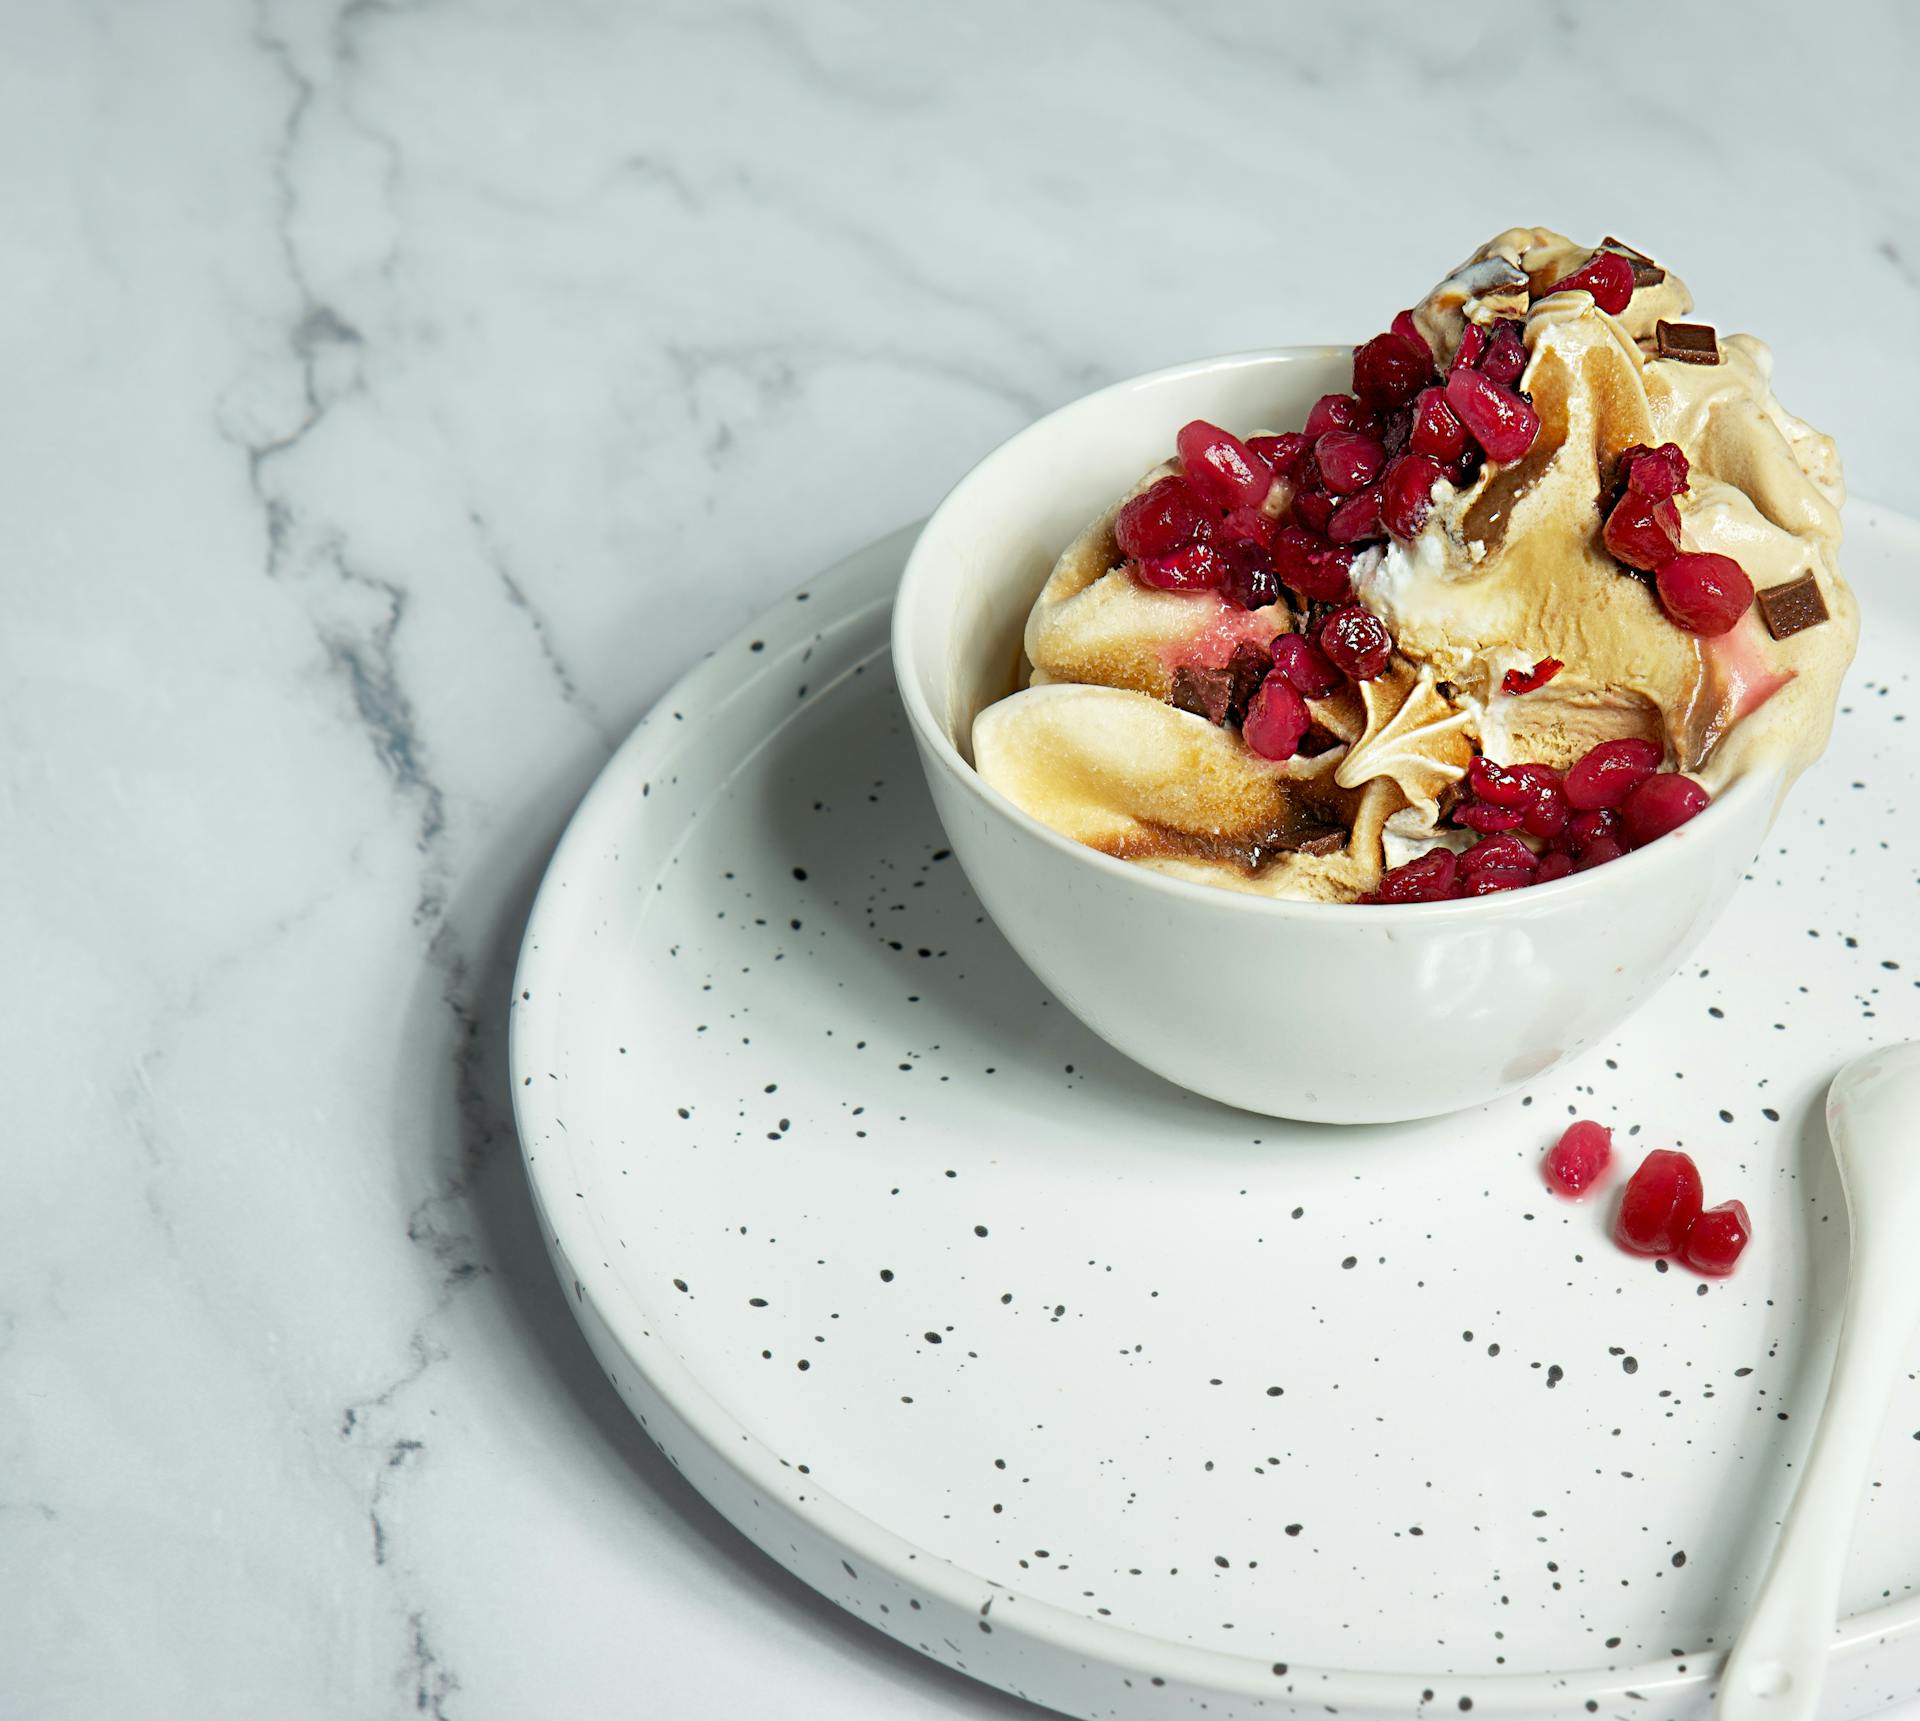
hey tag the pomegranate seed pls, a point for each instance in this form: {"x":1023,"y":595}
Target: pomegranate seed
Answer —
{"x":1497,"y":785}
{"x":1586,"y":828}
{"x":1713,"y":1242}
{"x":1195,"y":568}
{"x":1642,"y":533}
{"x":1437,"y":429}
{"x":1545,"y":812}
{"x":1409,"y":331}
{"x":1704,"y":593}
{"x":1482,"y":816}
{"x":1406,"y":493}
{"x":1357,"y":518}
{"x":1473,"y":343}
{"x":1655,"y":473}
{"x":1598,"y":852}
{"x":1356,"y":642}
{"x":1161,"y":519}
{"x":1579,"y":1158}
{"x":1387,"y":372}
{"x":1280,"y":452}
{"x":1607,"y":276}
{"x":1337,"y":412}
{"x":1276,"y":720}
{"x":1506,"y":354}
{"x":1304,"y":665}
{"x":1434,"y":877}
{"x":1225,"y":471}
{"x":1498,"y":863}
{"x":1250,"y":525}
{"x":1349,"y":460}
{"x":1250,"y":580}
{"x":1462,"y":470}
{"x":1553,"y":866}
{"x":1663,"y":803}
{"x":1605,"y":775}
{"x":1516,"y":682}
{"x":1660,"y":1201}
{"x":1313,"y":509}
{"x":1314,"y":568}
{"x":1497,"y":418}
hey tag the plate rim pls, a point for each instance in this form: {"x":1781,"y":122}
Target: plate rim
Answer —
{"x":571,"y":1236}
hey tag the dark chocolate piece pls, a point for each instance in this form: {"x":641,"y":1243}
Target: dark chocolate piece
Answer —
{"x":1323,"y":840}
{"x":1789,"y":608}
{"x":1690,"y":343}
{"x":1205,"y":692}
{"x":1222,"y":695}
{"x":1646,"y":272}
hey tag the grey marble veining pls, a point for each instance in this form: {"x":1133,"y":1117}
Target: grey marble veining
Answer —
{"x":396,"y":398}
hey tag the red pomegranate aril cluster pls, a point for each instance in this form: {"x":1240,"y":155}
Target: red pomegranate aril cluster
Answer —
{"x":1579,"y":1159}
{"x":1661,"y":1210}
{"x":1704,"y":593}
{"x":1662,"y":1213}
{"x":1612,"y":799}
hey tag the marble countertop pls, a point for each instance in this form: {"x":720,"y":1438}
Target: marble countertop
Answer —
{"x":396,"y":399}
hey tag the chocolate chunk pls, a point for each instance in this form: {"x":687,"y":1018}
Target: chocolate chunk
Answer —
{"x":1789,"y":608}
{"x":1690,"y":343}
{"x":1222,"y":695}
{"x":1319,"y":840}
{"x":1646,"y":272}
{"x":1205,"y":692}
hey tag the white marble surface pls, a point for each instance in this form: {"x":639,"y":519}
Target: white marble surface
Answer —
{"x":393,"y":399}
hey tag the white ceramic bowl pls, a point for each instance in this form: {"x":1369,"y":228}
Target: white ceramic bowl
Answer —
{"x":1330,"y":1013}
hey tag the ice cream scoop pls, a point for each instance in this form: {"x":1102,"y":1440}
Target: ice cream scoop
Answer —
{"x":1552,"y":515}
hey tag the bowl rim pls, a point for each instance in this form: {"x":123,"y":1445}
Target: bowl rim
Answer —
{"x":933,"y":737}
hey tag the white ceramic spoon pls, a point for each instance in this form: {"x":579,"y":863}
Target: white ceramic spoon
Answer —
{"x":1873,"y":1116}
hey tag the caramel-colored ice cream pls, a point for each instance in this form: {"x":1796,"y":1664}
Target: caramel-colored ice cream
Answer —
{"x":1132,"y":733}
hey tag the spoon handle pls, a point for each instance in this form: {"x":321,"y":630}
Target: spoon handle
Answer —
{"x":1776,"y":1668}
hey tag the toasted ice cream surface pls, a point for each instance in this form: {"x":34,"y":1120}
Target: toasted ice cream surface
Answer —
{"x":1513,"y":568}
{"x":1129,"y":775}
{"x":1094,"y":622}
{"x":1509,"y":569}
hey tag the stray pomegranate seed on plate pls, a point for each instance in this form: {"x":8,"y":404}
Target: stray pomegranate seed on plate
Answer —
{"x":1660,"y":1201}
{"x":1714,"y":1240}
{"x":1579,"y":1158}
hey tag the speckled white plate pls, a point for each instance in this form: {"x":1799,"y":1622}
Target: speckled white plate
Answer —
{"x":1139,"y":1406}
